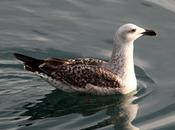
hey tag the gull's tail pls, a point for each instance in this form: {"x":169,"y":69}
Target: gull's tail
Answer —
{"x":31,"y":64}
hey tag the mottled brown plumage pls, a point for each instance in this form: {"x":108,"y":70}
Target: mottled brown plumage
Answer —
{"x":78,"y":72}
{"x":92,"y":75}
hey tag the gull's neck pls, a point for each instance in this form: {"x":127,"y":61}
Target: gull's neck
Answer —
{"x":122,"y":62}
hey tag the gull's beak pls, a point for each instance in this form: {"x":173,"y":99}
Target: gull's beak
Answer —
{"x":149,"y":32}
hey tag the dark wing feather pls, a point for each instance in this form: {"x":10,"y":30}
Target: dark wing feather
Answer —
{"x":87,"y":61}
{"x":77,"y":72}
{"x":81,"y":74}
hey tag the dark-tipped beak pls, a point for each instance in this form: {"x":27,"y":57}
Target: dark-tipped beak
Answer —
{"x":149,"y":32}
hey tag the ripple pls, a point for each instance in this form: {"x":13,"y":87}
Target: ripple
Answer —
{"x":81,"y":112}
{"x":72,"y":111}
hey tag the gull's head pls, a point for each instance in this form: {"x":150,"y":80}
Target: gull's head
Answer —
{"x":130,"y":32}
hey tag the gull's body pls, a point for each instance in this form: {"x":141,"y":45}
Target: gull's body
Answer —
{"x":90,"y":75}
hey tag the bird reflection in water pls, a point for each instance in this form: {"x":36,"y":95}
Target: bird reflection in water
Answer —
{"x":119,"y":110}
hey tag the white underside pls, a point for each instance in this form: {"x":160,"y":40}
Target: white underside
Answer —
{"x":55,"y":83}
{"x":129,"y":85}
{"x":89,"y":88}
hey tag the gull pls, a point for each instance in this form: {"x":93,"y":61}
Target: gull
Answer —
{"x":89,"y":75}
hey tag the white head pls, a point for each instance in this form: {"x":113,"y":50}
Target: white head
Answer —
{"x":122,"y":60}
{"x":129,"y":32}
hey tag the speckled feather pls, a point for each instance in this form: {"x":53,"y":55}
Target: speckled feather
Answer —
{"x":79,"y":72}
{"x":76,"y":74}
{"x":92,"y":75}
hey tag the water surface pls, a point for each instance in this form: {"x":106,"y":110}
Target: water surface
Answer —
{"x":84,"y":28}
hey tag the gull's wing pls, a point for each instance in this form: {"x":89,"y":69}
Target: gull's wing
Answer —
{"x":80,"y":74}
{"x":76,"y":72}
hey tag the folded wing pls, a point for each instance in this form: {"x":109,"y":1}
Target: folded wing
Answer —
{"x":76,"y":72}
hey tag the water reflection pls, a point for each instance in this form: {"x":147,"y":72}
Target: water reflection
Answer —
{"x":119,"y":111}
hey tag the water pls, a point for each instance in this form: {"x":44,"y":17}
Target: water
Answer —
{"x":84,"y":28}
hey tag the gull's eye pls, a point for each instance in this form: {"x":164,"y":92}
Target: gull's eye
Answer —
{"x":132,"y":30}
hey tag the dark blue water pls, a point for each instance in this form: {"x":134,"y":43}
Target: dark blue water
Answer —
{"x":84,"y":28}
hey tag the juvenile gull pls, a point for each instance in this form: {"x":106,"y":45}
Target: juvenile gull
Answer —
{"x":90,"y":75}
